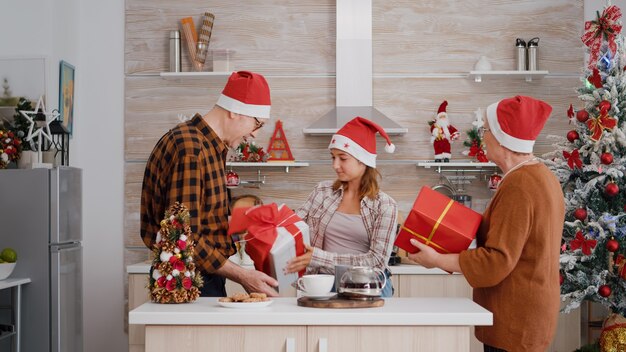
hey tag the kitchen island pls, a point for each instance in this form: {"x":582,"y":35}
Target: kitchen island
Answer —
{"x":404,"y":324}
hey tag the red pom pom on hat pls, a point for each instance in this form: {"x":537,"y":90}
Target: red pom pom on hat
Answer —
{"x":358,"y":138}
{"x":246,"y":93}
{"x":516,"y":122}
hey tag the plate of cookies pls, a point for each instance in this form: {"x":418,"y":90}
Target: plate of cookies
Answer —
{"x":245,"y":300}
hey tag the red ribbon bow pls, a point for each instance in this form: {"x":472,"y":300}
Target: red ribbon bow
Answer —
{"x":595,"y":78}
{"x":581,"y":242}
{"x":570,"y":113}
{"x":573,"y":159}
{"x":597,"y":125}
{"x":480,"y":156}
{"x":604,"y":27}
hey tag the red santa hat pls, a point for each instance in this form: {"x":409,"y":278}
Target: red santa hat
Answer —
{"x":246,"y":93}
{"x":358,"y":138}
{"x":516,"y":122}
{"x":442,"y":109}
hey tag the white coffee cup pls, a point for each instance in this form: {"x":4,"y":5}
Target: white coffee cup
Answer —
{"x":316,"y":285}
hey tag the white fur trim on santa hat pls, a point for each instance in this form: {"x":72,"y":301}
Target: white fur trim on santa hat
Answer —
{"x":390,"y":148}
{"x":349,"y":146}
{"x":234,"y":105}
{"x":506,"y":140}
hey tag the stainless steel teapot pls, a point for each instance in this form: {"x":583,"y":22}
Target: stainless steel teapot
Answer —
{"x":362,"y":282}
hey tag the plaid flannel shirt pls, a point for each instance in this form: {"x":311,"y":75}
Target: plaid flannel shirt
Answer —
{"x":188,"y":165}
{"x":380,"y":216}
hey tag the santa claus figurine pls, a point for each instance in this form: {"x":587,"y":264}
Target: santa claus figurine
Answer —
{"x":442,"y":134}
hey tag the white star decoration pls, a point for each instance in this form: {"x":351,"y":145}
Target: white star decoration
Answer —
{"x":43,"y":131}
{"x":478,"y":122}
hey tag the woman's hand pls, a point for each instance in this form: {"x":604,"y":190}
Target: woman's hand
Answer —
{"x":300,"y":263}
{"x":426,"y":257}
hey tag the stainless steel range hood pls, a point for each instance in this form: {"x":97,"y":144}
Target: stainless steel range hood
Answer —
{"x":354,"y":72}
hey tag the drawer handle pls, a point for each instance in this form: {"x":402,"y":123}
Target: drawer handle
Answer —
{"x":290,"y":344}
{"x":323,"y":344}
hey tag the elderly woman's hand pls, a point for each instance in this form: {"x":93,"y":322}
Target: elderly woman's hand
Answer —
{"x":426,"y":257}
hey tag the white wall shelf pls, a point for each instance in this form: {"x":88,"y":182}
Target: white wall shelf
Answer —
{"x":285,"y":164}
{"x":458,"y":166}
{"x":527,"y":75}
{"x":178,"y":75}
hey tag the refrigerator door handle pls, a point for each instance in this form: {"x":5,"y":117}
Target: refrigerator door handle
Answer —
{"x":65,"y":247}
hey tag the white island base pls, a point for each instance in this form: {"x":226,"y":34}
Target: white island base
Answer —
{"x":402,"y":324}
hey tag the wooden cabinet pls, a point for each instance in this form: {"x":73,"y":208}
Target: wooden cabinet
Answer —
{"x":138,"y":294}
{"x":387,"y":338}
{"x":567,"y":336}
{"x":167,"y":338}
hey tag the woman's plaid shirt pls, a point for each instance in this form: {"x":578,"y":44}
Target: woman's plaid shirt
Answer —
{"x":187,"y":165}
{"x":380,"y":216}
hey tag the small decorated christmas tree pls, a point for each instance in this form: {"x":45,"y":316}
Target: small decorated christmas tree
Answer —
{"x":173,"y":275}
{"x":590,"y":163}
{"x":474,"y":141}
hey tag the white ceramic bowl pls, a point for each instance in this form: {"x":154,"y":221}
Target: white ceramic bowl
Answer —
{"x":6,"y":269}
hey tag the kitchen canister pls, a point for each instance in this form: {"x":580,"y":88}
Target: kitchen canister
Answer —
{"x":174,"y":51}
{"x":520,"y":46}
{"x":532,"y":54}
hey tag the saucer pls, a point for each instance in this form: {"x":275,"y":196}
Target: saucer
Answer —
{"x":327,"y":295}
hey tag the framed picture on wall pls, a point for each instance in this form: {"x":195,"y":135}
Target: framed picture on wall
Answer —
{"x":66,"y":94}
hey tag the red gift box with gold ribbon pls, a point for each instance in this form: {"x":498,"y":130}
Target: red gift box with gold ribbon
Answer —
{"x":439,"y":222}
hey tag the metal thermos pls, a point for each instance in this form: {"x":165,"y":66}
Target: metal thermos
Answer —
{"x":532,"y":54}
{"x":520,"y":44}
{"x":174,"y":51}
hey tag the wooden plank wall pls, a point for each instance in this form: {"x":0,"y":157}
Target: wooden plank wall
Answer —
{"x":421,"y":50}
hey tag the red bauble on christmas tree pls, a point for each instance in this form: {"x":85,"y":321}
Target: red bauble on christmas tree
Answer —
{"x":604,"y":106}
{"x":582,"y":115}
{"x":604,"y":291}
{"x":611,"y":189}
{"x":612,"y":245}
{"x":606,"y":158}
{"x":580,"y":214}
{"x":572,"y":136}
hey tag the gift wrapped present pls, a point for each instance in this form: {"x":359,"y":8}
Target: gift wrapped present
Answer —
{"x":439,"y":222}
{"x":275,"y":234}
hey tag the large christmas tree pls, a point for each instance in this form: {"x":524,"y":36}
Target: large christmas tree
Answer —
{"x":590,"y":163}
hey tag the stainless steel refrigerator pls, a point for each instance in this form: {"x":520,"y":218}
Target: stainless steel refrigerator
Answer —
{"x":41,"y":218}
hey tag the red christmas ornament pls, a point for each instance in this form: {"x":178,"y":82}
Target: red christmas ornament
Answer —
{"x":612,"y":245}
{"x":604,"y":107}
{"x":606,"y":158}
{"x":604,"y":291}
{"x":582,"y":115}
{"x":580,"y":214}
{"x":572,"y":136}
{"x":611,"y":189}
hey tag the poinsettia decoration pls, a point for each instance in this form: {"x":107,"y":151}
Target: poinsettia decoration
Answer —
{"x":248,"y":151}
{"x":173,"y":274}
{"x":475,"y":145}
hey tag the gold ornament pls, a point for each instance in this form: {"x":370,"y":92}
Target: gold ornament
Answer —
{"x":613,"y":337}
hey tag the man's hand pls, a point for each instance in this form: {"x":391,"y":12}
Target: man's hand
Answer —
{"x":250,"y":279}
{"x":257,"y":281}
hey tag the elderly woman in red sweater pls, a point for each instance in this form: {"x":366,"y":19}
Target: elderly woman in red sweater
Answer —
{"x":514,"y":270}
